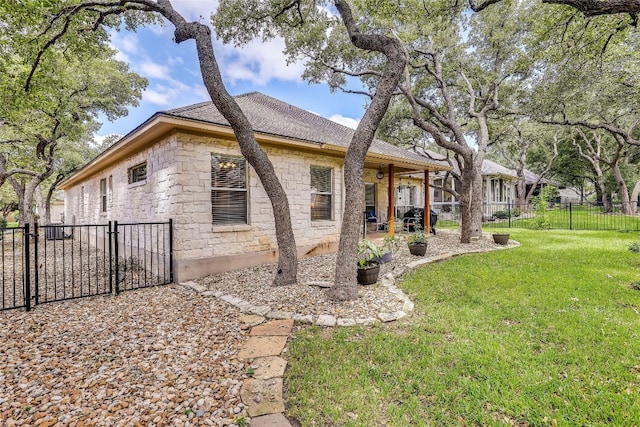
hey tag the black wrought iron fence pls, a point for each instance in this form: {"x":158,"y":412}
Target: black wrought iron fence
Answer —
{"x":61,"y":262}
{"x":568,"y":216}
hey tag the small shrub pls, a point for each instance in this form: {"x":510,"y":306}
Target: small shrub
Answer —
{"x":3,"y":223}
{"x":516,"y":212}
{"x":501,"y":215}
{"x":540,"y":204}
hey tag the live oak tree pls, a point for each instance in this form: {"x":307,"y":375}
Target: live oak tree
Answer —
{"x":83,"y":17}
{"x":588,"y":85}
{"x":304,"y":26}
{"x":56,"y":109}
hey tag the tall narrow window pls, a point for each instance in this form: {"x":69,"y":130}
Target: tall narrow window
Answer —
{"x":103,"y":195}
{"x":110,"y":191}
{"x":229,"y":196}
{"x":81,"y":201}
{"x":370,"y":199}
{"x":321,"y":193}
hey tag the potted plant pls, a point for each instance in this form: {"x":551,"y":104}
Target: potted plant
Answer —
{"x":389,"y":245}
{"x":368,"y":267}
{"x":501,"y":238}
{"x":417,"y":242}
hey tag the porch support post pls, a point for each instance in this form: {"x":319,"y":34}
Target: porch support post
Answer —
{"x":427,"y":203}
{"x":391,"y":200}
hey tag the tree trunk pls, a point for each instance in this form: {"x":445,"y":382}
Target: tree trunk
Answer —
{"x":345,"y":285}
{"x":40,"y":207}
{"x":25,"y":203}
{"x":470,"y":202}
{"x":634,"y":198}
{"x":623,"y":191}
{"x":287,"y":272}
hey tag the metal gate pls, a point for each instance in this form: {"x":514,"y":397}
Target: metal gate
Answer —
{"x":60,"y":262}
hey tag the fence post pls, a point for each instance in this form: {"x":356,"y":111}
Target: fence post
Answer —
{"x":570,"y":217}
{"x":36,"y":273}
{"x":27,"y":273}
{"x":509,"y":212}
{"x":110,"y":234}
{"x":170,"y":250}
{"x":116,"y":259}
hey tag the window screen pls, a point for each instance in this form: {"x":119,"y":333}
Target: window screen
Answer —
{"x":321,"y":193}
{"x":370,"y":199}
{"x":228,"y":189}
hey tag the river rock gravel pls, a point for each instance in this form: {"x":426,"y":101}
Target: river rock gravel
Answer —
{"x":153,"y":357}
{"x":309,"y":297}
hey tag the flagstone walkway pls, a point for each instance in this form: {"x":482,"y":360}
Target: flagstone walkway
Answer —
{"x":262,"y":393}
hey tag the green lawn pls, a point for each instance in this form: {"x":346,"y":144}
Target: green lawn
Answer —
{"x":545,"y":334}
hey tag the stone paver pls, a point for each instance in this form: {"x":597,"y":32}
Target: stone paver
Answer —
{"x":274,"y":327}
{"x":269,"y":367}
{"x":263,"y":394}
{"x":271,"y":420}
{"x":250,"y":320}
{"x":259,"y":346}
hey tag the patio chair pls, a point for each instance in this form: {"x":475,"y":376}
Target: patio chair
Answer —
{"x":382,"y":223}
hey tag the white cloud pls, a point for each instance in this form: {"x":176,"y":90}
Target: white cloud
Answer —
{"x":258,"y":63}
{"x":345,"y":121}
{"x":125,"y":42}
{"x":151,"y":69}
{"x":195,"y":10}
{"x":158,"y":97}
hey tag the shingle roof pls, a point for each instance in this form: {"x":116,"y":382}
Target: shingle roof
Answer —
{"x":490,"y":167}
{"x":272,"y":116}
{"x":531,"y":177}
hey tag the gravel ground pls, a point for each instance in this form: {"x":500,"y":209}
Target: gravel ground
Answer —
{"x":153,"y":357}
{"x":160,"y":356}
{"x":253,"y":284}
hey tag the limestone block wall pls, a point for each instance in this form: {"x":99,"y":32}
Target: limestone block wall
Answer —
{"x":198,"y":238}
{"x":146,"y":201}
{"x":178,"y":186}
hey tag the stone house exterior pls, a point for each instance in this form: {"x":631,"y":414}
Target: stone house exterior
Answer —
{"x":185,"y":164}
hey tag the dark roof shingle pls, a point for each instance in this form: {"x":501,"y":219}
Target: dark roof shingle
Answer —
{"x":272,"y":116}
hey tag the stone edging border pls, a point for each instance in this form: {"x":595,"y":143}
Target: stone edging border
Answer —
{"x":388,"y":281}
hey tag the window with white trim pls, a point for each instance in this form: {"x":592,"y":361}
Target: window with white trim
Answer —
{"x":321,"y":193}
{"x":229,"y":195}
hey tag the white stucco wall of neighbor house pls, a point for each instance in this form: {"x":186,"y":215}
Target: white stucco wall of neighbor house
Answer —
{"x":178,"y":186}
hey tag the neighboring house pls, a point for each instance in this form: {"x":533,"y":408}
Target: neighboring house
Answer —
{"x":532,"y":178}
{"x":185,"y":164}
{"x":498,"y":190}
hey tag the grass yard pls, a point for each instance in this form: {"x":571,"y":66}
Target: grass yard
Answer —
{"x":545,"y":334}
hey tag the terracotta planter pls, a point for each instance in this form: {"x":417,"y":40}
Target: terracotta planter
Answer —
{"x":501,"y":239}
{"x":368,"y":274}
{"x":418,"y":249}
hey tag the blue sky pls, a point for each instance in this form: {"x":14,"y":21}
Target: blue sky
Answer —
{"x":175,"y":80}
